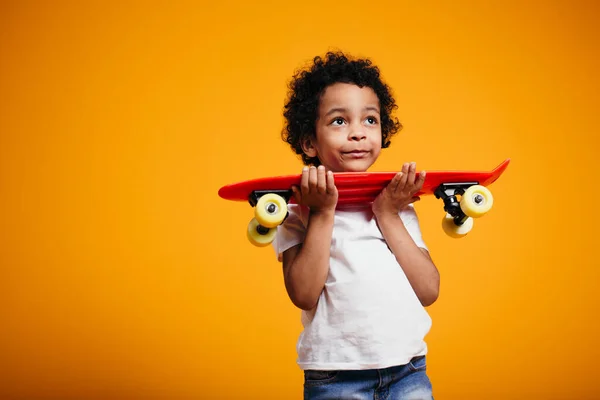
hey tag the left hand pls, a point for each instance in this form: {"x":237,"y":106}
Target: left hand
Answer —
{"x":400,"y":192}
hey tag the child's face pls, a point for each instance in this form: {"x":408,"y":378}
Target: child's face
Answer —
{"x":348,"y":129}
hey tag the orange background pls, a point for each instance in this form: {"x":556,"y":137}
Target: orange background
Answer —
{"x":123,"y":275}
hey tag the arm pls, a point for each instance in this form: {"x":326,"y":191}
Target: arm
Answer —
{"x":306,"y":266}
{"x":415,"y":262}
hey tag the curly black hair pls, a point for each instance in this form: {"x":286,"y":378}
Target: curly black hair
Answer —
{"x":307,"y":86}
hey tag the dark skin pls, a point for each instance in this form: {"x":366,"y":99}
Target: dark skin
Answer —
{"x":306,"y":266}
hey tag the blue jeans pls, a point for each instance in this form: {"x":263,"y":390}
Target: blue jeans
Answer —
{"x":403,"y":382}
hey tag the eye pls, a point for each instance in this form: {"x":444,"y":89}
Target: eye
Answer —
{"x":371,"y":120}
{"x":337,"y":121}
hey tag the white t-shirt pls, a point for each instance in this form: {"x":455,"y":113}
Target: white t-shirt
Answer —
{"x":368,"y":316}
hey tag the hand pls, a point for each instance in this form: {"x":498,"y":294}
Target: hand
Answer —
{"x":400,"y":192}
{"x":317,"y":190}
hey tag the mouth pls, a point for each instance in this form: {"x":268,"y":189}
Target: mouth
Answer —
{"x":356,"y":153}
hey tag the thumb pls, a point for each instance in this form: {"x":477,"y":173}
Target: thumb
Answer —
{"x":297,"y":194}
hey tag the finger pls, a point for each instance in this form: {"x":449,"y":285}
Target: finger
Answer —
{"x":312,"y":179}
{"x":393,"y":185}
{"x":404,"y":177}
{"x":321,"y":180}
{"x":304,"y":180}
{"x":412,"y":170}
{"x":420,"y":180}
{"x":330,"y":183}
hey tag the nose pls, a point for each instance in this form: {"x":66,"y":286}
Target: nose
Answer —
{"x":357,"y":134}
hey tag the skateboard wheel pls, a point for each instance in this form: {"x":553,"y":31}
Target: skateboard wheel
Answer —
{"x":476,"y":201}
{"x":258,"y":235}
{"x":270,"y":210}
{"x":456,"y":231}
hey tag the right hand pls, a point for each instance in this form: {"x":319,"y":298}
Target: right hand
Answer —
{"x":317,"y":190}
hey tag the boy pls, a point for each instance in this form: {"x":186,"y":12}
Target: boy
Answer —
{"x":362,"y":276}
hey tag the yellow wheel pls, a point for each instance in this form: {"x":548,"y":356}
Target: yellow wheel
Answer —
{"x":270,"y":210}
{"x":259,"y":235}
{"x":456,"y":231}
{"x":476,"y":201}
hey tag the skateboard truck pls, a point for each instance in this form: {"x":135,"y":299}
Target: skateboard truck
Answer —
{"x":262,"y":230}
{"x":448,"y":193}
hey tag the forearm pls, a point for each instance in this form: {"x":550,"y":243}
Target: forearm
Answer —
{"x":417,"y":265}
{"x":307,"y":274}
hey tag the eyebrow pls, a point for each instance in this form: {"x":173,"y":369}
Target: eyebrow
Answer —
{"x":341,"y":109}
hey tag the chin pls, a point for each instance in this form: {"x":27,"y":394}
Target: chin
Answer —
{"x":356,"y":166}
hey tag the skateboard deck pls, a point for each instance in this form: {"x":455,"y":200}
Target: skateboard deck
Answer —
{"x":363,"y":187}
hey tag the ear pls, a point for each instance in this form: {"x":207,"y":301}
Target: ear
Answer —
{"x":308,"y":147}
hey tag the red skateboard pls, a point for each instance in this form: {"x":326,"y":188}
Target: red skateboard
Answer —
{"x":270,"y":196}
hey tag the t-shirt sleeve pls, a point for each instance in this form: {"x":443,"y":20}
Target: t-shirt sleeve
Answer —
{"x":411,"y":222}
{"x":292,"y":231}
